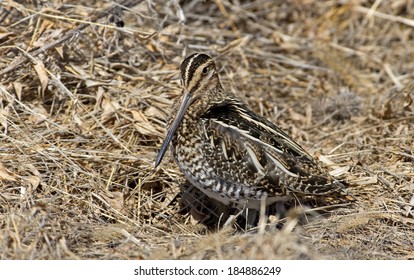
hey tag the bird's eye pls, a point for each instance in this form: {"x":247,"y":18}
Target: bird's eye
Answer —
{"x":205,"y":70}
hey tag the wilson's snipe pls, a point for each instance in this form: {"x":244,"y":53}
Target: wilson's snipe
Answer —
{"x":232,"y":154}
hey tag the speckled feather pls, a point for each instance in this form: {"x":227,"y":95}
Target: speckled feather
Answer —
{"x":234,"y":155}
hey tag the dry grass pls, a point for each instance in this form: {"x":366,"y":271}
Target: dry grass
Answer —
{"x":84,"y":104}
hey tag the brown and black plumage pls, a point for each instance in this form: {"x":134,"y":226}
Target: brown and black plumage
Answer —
{"x":232,"y":154}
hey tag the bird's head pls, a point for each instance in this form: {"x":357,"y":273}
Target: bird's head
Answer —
{"x":199,"y":77}
{"x":198,"y":74}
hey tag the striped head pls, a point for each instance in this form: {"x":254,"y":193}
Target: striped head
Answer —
{"x":199,"y":78}
{"x":198,"y":74}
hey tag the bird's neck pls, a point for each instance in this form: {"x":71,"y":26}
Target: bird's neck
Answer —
{"x":211,"y":97}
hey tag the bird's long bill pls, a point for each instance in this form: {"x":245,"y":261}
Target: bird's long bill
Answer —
{"x":178,"y":118}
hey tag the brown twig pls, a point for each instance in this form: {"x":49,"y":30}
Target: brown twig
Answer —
{"x":72,"y":33}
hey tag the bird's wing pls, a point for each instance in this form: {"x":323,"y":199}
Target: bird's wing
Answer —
{"x":265,"y":149}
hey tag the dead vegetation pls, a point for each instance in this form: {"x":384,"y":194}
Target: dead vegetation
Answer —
{"x":86,"y":88}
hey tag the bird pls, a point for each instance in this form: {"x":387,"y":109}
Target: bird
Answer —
{"x":232,"y":154}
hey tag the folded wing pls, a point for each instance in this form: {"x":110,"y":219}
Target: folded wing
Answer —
{"x":261,"y":154}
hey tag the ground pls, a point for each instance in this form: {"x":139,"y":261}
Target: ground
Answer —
{"x":87,"y":87}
